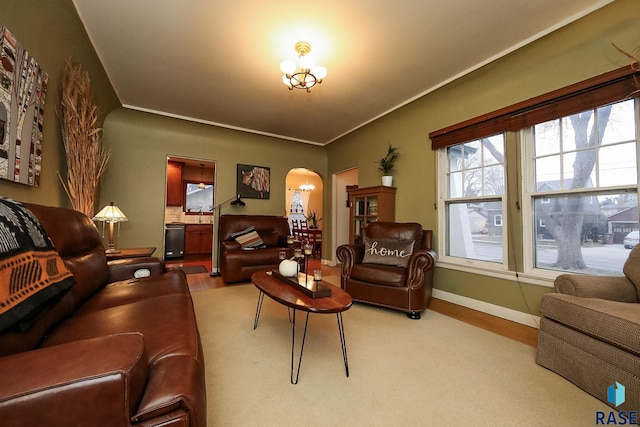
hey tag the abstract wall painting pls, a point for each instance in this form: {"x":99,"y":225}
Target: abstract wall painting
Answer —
{"x":253,"y":181}
{"x":23,"y":86}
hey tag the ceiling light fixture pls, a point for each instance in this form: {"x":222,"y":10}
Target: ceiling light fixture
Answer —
{"x":304,"y":74}
{"x":307,"y":186}
{"x":202,"y":185}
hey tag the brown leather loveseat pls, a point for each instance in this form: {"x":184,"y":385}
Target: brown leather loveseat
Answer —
{"x":112,"y":351}
{"x":238,"y":264}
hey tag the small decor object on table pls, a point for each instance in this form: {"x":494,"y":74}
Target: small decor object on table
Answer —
{"x":313,"y":289}
{"x":288,"y":268}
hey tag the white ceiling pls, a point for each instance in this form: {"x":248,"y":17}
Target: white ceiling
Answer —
{"x":218,"y":61}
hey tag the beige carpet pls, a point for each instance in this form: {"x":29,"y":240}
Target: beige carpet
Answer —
{"x":436,"y":371}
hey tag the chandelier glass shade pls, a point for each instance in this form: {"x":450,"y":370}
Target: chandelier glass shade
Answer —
{"x":304,"y":74}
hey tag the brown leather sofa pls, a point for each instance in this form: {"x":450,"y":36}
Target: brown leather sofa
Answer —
{"x":113,"y":351}
{"x":406,"y":289}
{"x":236,"y":264}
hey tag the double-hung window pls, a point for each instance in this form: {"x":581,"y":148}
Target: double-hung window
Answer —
{"x":572,"y":157}
{"x":581,"y":197}
{"x":474,"y":191}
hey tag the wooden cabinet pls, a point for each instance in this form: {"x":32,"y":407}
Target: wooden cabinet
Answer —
{"x":198,"y":239}
{"x":174,"y":183}
{"x":370,"y":204}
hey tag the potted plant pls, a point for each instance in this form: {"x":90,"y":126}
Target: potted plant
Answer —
{"x":313,"y":219}
{"x":386,"y":164}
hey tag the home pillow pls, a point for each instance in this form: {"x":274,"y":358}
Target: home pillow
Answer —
{"x":387,"y":251}
{"x":248,"y":239}
{"x":33,"y":277}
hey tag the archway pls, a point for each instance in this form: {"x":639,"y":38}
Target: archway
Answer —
{"x":304,"y":190}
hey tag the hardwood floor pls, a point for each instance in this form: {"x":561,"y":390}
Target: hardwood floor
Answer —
{"x":516,"y":331}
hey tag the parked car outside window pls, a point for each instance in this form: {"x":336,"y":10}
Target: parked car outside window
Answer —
{"x":631,"y":239}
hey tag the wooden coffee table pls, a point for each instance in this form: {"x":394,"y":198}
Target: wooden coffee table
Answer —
{"x":287,"y":295}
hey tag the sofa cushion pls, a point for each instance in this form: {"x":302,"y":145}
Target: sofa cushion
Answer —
{"x":248,"y":238}
{"x":271,"y":238}
{"x":617,"y":323}
{"x":380,"y":274}
{"x":33,"y":277}
{"x":387,"y":251}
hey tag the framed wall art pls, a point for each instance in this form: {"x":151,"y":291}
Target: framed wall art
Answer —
{"x":253,"y":182}
{"x":23,"y":86}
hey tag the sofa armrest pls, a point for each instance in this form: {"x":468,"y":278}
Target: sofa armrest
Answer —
{"x":420,"y":262}
{"x":135,"y":268}
{"x":349,"y":255}
{"x":229,"y":245}
{"x":613,"y":288}
{"x":77,"y":383}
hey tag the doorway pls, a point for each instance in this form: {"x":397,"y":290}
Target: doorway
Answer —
{"x":341,"y":181}
{"x":189,"y":203}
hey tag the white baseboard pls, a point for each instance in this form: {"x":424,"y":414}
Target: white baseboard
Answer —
{"x":485,"y":307}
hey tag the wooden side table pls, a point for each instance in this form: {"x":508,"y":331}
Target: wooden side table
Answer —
{"x":130,"y":253}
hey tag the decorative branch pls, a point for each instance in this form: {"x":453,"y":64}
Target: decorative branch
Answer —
{"x":86,"y":156}
{"x":635,"y":65}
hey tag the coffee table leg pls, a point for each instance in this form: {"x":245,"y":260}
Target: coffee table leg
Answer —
{"x":343,"y":342}
{"x":293,"y":346}
{"x":258,"y":309}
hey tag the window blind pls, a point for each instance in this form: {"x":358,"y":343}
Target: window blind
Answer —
{"x":601,"y":90}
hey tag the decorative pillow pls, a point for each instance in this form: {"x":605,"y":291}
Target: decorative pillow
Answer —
{"x":248,"y":239}
{"x":33,"y":277}
{"x":387,"y":251}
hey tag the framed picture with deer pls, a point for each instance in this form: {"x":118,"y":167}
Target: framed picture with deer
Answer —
{"x":253,"y":182}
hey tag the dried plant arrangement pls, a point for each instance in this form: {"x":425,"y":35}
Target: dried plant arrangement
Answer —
{"x":86,"y":156}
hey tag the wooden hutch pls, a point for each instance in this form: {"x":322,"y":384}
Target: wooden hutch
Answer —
{"x":367,"y":205}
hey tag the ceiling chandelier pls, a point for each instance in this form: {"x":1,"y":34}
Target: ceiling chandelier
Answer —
{"x":307,"y":186}
{"x":304,"y":74}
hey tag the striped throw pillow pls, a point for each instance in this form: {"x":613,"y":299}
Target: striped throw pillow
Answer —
{"x":248,"y":239}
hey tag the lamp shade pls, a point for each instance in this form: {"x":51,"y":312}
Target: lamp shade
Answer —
{"x":288,"y":67}
{"x":110,"y":213}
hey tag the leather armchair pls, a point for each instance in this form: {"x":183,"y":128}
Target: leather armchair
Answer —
{"x":406,"y":289}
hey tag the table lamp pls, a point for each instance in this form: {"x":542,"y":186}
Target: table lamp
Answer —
{"x":110,"y":214}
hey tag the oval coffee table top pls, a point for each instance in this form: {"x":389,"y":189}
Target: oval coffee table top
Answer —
{"x":286,"y":294}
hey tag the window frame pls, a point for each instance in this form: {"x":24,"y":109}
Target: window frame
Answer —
{"x":592,"y":93}
{"x":444,"y":200}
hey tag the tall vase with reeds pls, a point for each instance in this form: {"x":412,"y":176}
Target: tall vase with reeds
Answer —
{"x":86,"y":156}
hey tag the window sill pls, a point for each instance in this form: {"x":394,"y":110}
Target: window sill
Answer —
{"x":485,"y":270}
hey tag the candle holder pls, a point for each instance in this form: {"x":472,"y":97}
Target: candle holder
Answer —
{"x":282,"y":255}
{"x":317,"y":277}
{"x":297,"y":254}
{"x":308,"y":250}
{"x":290,"y":239}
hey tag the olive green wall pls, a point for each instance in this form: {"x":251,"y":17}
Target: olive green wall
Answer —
{"x":51,"y":31}
{"x":140,"y":143}
{"x":576,"y":52}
